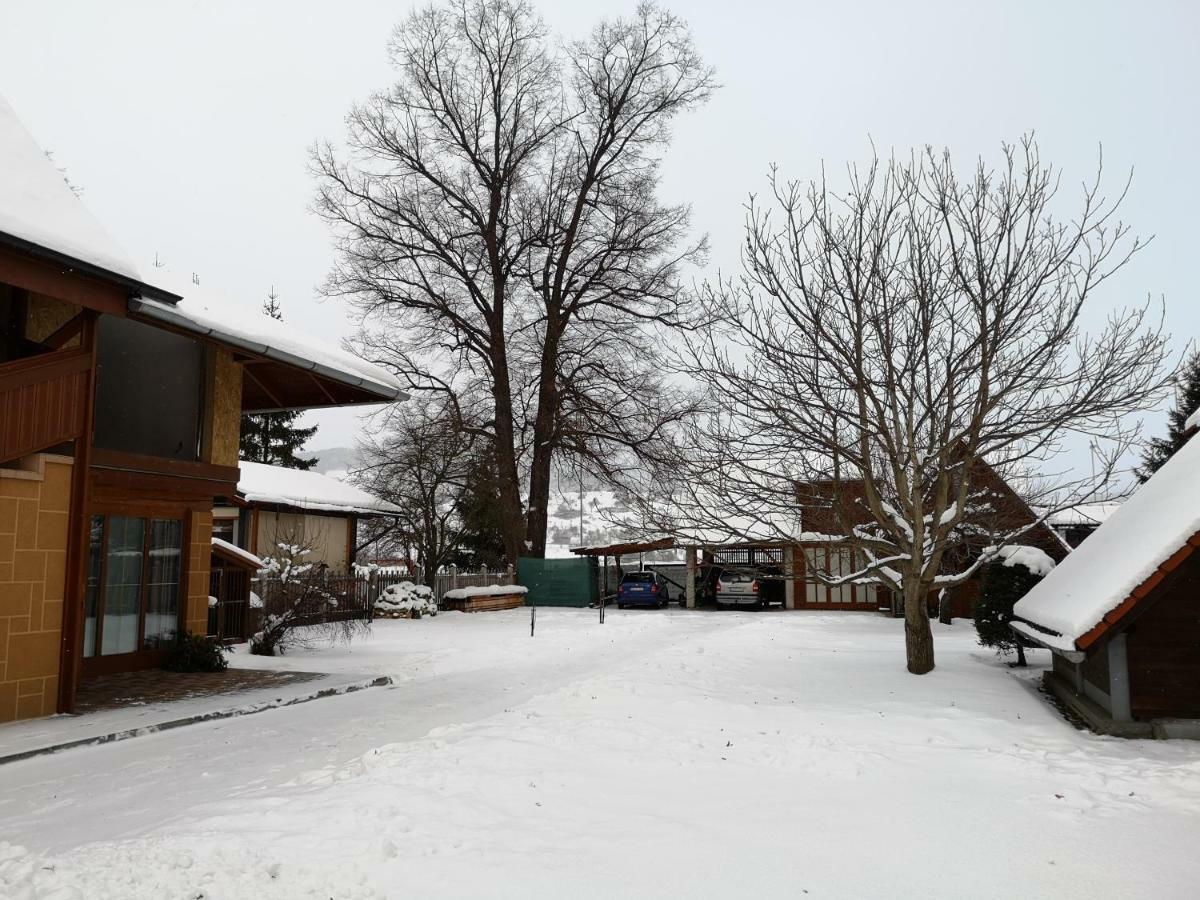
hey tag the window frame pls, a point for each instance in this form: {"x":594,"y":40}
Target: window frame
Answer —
{"x":140,"y":657}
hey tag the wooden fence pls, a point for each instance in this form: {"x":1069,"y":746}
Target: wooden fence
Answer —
{"x":355,"y":594}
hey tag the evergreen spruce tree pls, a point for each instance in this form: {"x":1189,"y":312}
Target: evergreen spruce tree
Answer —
{"x":274,"y":438}
{"x":1187,"y":401}
{"x":481,"y":542}
{"x":1002,"y":587}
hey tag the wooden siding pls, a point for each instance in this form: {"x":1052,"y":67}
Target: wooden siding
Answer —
{"x":1164,"y":649}
{"x":43,"y":401}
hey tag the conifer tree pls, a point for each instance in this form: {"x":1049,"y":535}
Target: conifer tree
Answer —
{"x":1187,"y":400}
{"x":1003,"y":585}
{"x":274,"y":438}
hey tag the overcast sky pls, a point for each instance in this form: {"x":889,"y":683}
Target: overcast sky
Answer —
{"x":188,"y":124}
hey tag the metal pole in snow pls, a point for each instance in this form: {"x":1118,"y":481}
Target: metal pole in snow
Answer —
{"x":532,"y":618}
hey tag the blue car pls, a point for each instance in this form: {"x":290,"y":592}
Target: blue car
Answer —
{"x":642,"y":589}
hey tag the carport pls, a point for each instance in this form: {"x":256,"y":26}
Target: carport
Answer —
{"x":627,"y":548}
{"x":711,"y":557}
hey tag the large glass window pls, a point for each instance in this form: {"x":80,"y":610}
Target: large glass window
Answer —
{"x":123,"y":585}
{"x":135,"y":571}
{"x":92,"y":602}
{"x":149,"y":393}
{"x":162,"y":583}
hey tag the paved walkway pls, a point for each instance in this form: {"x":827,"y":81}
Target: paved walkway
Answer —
{"x":155,"y":686}
{"x":144,"y":703}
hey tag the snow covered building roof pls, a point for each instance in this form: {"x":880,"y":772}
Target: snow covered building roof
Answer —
{"x":311,"y":491}
{"x":1084,"y":514}
{"x":244,"y":327}
{"x":235,"y":554}
{"x":41,"y":217}
{"x":40,"y":214}
{"x":1101,"y":581}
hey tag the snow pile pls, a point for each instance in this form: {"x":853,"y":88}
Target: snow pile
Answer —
{"x":1102,"y":572}
{"x":233,"y":550}
{"x":36,"y":205}
{"x":1036,"y":560}
{"x":260,"y":483}
{"x":256,"y":602}
{"x":495,"y":590}
{"x":150,"y":870}
{"x":213,"y":601}
{"x":407,"y":598}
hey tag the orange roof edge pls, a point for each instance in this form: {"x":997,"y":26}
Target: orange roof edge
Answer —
{"x":1143,"y":590}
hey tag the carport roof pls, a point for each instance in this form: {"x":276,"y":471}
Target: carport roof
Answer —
{"x":645,"y":546}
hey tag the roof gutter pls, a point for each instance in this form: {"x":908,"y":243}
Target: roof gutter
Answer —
{"x":71,"y":264}
{"x":169,"y":316}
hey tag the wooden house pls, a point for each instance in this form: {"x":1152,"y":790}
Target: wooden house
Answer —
{"x":320,"y":512}
{"x":1006,"y":512}
{"x":1121,"y":614}
{"x":120,"y":406}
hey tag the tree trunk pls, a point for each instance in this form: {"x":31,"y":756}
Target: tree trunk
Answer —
{"x":945,"y":608}
{"x":506,"y":462}
{"x":537,"y":514}
{"x":918,"y":636}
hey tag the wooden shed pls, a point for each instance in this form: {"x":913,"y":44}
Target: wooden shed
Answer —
{"x":1121,"y":614}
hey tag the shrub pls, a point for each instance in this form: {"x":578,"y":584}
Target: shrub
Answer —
{"x":1006,"y":581}
{"x":299,"y":610}
{"x":196,"y":653}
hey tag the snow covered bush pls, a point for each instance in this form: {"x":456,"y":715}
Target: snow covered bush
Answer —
{"x":298,"y":607}
{"x":1005,"y":581}
{"x":406,"y":600}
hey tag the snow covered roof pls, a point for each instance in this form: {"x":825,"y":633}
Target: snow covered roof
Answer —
{"x":1083,"y":514}
{"x":306,"y":490}
{"x":207,"y":314}
{"x":1193,"y":421}
{"x":39,"y":209}
{"x":235,"y":551}
{"x":1119,"y":562}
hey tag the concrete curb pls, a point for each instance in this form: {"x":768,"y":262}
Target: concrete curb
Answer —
{"x":211,"y":716}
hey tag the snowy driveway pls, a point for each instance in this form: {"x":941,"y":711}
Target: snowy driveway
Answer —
{"x":663,"y":754}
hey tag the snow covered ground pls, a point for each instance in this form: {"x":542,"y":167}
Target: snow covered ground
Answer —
{"x":663,"y":754}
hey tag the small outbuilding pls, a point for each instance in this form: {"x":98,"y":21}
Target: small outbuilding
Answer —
{"x":320,"y":512}
{"x":1121,"y":613}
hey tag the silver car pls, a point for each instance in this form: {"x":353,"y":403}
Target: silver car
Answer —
{"x":738,"y":589}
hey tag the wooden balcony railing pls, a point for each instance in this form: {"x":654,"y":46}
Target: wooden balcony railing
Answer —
{"x":43,"y":401}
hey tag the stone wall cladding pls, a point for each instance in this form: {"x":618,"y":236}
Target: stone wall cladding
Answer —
{"x":199,"y":567}
{"x":34,"y":505}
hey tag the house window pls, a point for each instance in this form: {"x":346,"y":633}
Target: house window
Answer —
{"x":135,"y":569}
{"x":226,"y":530}
{"x":149,"y":393}
{"x":837,"y":562}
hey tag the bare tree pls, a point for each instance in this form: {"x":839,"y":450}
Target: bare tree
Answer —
{"x":419,"y":463}
{"x":885,"y":349}
{"x":498,"y":227}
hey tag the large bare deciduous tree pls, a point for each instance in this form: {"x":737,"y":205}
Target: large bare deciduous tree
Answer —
{"x":418,"y":462}
{"x":885,"y":347}
{"x":499,"y":230}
